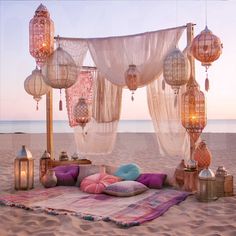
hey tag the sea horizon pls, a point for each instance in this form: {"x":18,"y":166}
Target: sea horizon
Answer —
{"x":124,"y":126}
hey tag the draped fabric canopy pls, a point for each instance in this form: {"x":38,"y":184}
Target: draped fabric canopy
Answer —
{"x":112,"y":57}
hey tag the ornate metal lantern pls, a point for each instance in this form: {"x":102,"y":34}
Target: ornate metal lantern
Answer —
{"x":35,"y":85}
{"x":132,"y":77}
{"x":176,"y":69}
{"x":24,"y":170}
{"x":193,"y":112}
{"x":60,"y":70}
{"x":206,"y":47}
{"x":41,"y":35}
{"x":81,"y":112}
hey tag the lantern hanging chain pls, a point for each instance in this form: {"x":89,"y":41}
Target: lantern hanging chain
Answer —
{"x":206,"y":12}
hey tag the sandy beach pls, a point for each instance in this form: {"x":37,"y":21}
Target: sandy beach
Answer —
{"x":189,"y":218}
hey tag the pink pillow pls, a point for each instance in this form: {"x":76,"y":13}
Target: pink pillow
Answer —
{"x":97,"y":183}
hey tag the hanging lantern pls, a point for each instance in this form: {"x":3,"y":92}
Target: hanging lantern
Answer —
{"x":35,"y":85}
{"x":41,"y":35}
{"x":132,"y":77}
{"x":81,"y":112}
{"x":24,"y":170}
{"x":193,"y":112}
{"x":60,"y":71}
{"x":206,"y":47}
{"x":176,"y":70}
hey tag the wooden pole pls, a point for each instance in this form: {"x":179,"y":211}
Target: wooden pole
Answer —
{"x":49,"y":120}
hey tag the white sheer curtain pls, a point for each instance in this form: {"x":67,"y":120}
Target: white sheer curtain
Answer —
{"x":100,"y":132}
{"x":113,"y":55}
{"x":172,"y":138}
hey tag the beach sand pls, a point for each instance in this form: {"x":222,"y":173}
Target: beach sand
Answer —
{"x":188,"y":218}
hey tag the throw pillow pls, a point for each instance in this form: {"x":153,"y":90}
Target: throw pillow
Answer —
{"x":86,"y":170}
{"x":128,"y":172}
{"x":152,"y":180}
{"x":97,"y":183}
{"x":125,"y":188}
{"x":66,"y":175}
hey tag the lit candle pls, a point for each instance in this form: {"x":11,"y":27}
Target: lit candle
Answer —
{"x":23,"y":179}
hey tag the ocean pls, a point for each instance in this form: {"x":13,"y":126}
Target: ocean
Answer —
{"x":132,"y":126}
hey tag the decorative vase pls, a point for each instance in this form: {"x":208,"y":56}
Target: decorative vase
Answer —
{"x":49,"y":180}
{"x":202,"y":155}
{"x":63,"y":156}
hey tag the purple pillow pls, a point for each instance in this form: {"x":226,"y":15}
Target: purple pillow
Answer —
{"x":152,"y":180}
{"x":66,"y":175}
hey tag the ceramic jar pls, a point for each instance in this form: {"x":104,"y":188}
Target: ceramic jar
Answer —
{"x":49,"y":179}
{"x":63,"y":156}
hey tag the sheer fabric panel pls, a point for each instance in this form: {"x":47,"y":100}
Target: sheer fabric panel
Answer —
{"x":113,"y":55}
{"x":172,"y":137}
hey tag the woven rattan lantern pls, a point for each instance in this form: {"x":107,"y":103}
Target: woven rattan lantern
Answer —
{"x":176,"y":69}
{"x":60,"y":71}
{"x":41,"y":35}
{"x":24,"y":170}
{"x":193,"y":112}
{"x":35,"y":85}
{"x":81,"y":112}
{"x":206,"y":47}
{"x":132,"y":77}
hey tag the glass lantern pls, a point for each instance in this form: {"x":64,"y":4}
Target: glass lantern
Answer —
{"x":24,"y":170}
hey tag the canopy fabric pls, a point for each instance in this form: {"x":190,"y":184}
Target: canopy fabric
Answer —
{"x":172,"y":138}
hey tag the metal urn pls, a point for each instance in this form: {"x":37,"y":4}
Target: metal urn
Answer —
{"x":207,"y":186}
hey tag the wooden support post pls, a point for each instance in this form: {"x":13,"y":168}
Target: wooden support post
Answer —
{"x":49,"y":120}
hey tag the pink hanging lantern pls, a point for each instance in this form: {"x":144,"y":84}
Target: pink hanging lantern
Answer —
{"x":81,"y":112}
{"x":41,"y":35}
{"x":132,"y":77}
{"x":206,"y":47}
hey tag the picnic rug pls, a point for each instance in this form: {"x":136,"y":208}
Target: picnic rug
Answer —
{"x":124,"y":211}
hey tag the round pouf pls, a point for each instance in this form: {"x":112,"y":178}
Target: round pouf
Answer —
{"x":128,"y":172}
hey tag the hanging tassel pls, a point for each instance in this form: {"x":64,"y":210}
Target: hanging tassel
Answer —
{"x":176,"y":100}
{"x":132,"y":97}
{"x":163,"y":84}
{"x":207,"y":84}
{"x":60,"y":102}
{"x":37,"y":106}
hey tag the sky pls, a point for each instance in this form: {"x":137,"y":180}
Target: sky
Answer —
{"x":112,"y":18}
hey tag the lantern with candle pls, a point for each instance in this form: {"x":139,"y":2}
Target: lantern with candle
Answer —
{"x":24,"y":170}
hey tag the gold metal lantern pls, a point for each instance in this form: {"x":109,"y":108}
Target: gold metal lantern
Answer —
{"x":206,"y":48}
{"x":60,"y":71}
{"x":132,"y":77}
{"x":176,"y":69}
{"x":82,"y":113}
{"x":41,"y":35}
{"x":193,"y":112}
{"x":24,"y":170}
{"x":35,"y":85}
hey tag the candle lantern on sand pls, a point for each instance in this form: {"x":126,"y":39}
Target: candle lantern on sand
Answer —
{"x":24,"y":170}
{"x":132,"y":77}
{"x":41,"y":35}
{"x":193,"y":112}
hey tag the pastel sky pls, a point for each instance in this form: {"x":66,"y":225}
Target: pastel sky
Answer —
{"x":111,"y":18}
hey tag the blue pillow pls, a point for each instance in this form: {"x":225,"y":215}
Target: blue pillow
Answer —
{"x":128,"y":172}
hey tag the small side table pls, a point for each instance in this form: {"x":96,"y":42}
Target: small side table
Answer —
{"x":190,"y":180}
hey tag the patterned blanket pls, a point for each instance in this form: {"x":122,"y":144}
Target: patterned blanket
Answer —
{"x":128,"y":211}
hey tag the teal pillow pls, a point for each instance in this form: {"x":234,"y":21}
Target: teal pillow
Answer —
{"x":128,"y":172}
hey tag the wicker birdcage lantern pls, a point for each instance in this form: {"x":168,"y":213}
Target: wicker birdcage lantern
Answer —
{"x":176,"y":69}
{"x":132,"y":76}
{"x":82,"y":113}
{"x":41,"y":35}
{"x":35,"y":85}
{"x":206,"y":48}
{"x":24,"y":170}
{"x":60,"y":70}
{"x":193,"y":112}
